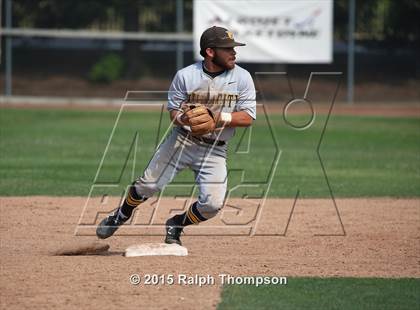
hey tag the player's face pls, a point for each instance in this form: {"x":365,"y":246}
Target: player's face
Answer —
{"x":224,"y":57}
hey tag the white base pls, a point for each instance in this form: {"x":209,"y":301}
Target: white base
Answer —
{"x":155,"y":249}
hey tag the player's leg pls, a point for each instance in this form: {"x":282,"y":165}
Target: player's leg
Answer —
{"x":211,"y":178}
{"x":167,"y":161}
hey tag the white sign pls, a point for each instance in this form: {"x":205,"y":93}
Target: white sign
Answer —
{"x":279,"y":31}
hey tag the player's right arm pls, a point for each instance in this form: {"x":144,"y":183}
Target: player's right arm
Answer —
{"x":177,"y":95}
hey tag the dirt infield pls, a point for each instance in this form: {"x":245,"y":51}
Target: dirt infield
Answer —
{"x":382,"y":240}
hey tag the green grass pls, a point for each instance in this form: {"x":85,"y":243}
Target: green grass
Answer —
{"x":325,"y":293}
{"x":57,"y":152}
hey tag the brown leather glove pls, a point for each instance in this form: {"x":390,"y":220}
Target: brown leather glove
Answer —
{"x":200,"y":119}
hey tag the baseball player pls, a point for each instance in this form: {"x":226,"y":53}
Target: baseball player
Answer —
{"x":206,"y":101}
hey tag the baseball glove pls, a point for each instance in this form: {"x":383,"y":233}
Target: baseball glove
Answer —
{"x":200,"y":119}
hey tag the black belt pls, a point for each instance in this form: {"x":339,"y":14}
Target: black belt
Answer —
{"x":188,"y":134}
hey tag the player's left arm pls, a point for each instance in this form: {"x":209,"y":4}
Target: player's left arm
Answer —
{"x":246,"y":105}
{"x":240,"y":119}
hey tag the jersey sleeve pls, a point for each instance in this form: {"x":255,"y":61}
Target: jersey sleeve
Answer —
{"x":246,"y":96}
{"x":177,"y":92}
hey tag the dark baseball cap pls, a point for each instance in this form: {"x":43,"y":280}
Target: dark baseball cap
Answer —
{"x":217,"y":37}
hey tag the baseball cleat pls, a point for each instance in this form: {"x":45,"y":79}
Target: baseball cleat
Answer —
{"x":108,"y":226}
{"x":173,"y":232}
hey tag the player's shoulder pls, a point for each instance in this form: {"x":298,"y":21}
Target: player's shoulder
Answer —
{"x":241,"y":74}
{"x":191,"y":69}
{"x":240,"y":70}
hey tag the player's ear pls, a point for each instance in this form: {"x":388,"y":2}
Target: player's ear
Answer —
{"x":210,"y":52}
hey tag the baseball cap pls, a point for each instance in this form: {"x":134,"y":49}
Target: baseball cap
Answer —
{"x":217,"y":37}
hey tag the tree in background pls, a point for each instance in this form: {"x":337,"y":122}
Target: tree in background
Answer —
{"x":131,"y":23}
{"x":402,"y":20}
{"x":127,"y":15}
{"x":384,"y":21}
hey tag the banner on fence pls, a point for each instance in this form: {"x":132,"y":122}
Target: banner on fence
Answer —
{"x":279,"y":31}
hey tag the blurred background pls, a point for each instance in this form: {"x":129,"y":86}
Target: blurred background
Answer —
{"x":103,"y":61}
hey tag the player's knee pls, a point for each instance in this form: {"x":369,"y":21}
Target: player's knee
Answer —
{"x":146,"y":189}
{"x":210,"y":206}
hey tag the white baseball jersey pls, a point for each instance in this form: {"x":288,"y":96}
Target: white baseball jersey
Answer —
{"x":230,"y":91}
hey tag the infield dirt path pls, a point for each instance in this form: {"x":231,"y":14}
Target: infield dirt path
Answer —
{"x":382,"y":240}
